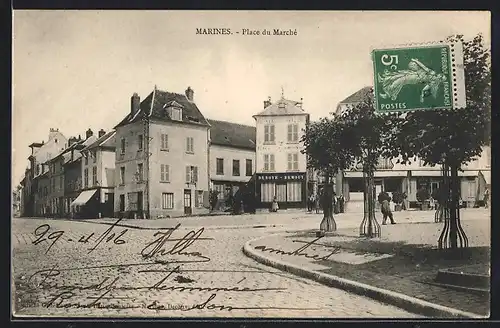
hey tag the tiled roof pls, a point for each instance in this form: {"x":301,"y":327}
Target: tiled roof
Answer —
{"x":232,"y":134}
{"x":282,"y":107}
{"x":358,"y":96}
{"x":106,"y":140}
{"x":190,"y":112}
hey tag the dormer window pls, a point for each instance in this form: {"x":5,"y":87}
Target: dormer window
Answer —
{"x":174,"y":110}
{"x":176,"y":114}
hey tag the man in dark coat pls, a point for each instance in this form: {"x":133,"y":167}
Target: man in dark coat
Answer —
{"x":386,"y":211}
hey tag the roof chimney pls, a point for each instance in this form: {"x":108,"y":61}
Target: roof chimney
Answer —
{"x":101,"y":133}
{"x":299,"y":104}
{"x":89,"y":133}
{"x":189,"y":94}
{"x":72,"y":140}
{"x":135,"y":103}
{"x":267,"y":102}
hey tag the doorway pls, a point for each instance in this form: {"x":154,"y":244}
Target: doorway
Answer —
{"x":187,"y":202}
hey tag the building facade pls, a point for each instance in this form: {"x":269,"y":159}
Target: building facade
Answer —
{"x":232,"y":159}
{"x":40,"y":154}
{"x":281,"y":168}
{"x":162,"y":157}
{"x":391,"y":176}
{"x":97,"y":173}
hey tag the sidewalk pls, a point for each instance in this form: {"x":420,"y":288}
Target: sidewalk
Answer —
{"x":398,"y":268}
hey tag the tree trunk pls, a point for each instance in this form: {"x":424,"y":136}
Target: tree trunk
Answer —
{"x":328,"y":223}
{"x":454,"y":206}
{"x":369,"y":226}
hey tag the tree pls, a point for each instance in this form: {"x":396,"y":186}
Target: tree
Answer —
{"x":323,"y":144}
{"x":450,"y":138}
{"x":368,"y":134}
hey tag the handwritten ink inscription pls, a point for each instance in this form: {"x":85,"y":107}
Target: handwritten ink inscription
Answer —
{"x":154,"y":275}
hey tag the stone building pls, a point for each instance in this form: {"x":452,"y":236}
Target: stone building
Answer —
{"x":41,"y":152}
{"x":97,"y":173}
{"x":281,"y":168}
{"x":232,"y":158}
{"x":162,"y":157}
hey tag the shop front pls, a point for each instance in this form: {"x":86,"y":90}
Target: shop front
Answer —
{"x":289,"y":189}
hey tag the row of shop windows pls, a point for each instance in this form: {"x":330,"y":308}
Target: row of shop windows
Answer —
{"x":284,"y":192}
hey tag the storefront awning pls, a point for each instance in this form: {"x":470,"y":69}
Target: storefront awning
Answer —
{"x":487,"y":176}
{"x":84,"y":197}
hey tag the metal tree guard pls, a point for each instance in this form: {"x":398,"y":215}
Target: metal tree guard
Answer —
{"x":369,"y":226}
{"x":453,"y":236}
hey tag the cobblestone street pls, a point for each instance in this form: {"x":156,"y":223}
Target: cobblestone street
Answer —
{"x":68,"y":268}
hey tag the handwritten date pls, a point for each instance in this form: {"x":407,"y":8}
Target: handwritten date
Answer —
{"x":42,"y":233}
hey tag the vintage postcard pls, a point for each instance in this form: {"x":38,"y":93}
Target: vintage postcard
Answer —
{"x":276,"y":164}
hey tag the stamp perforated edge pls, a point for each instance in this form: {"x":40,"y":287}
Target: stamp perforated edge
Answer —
{"x":455,"y":50}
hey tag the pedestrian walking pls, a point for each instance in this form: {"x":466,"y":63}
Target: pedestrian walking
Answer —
{"x":317,"y":203}
{"x":341,"y":203}
{"x":486,"y":197}
{"x":386,"y":212}
{"x":310,"y":203}
{"x":274,"y":205}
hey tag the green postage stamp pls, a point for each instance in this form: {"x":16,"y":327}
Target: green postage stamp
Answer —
{"x":415,"y":78}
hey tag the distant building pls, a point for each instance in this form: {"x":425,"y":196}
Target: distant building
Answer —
{"x":232,"y":157}
{"x":40,"y":154}
{"x":162,"y":157}
{"x":391,"y":176}
{"x":281,"y":170}
{"x":72,"y":174}
{"x":97,"y":172}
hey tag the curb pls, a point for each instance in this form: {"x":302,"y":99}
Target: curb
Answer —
{"x":408,"y":303}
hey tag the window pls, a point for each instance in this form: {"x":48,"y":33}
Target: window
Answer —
{"x":164,"y":142}
{"x":167,"y":200}
{"x":293,"y":133}
{"x":122,"y":146}
{"x":176,"y":114}
{"x":249,"y":168}
{"x":268,"y":133}
{"x":94,"y":156}
{"x":140,"y":141}
{"x":86,"y":177}
{"x":191,"y":174}
{"x":140,"y":172}
{"x":61,"y":182}
{"x":220,"y":166}
{"x":122,"y":203}
{"x":86,"y":161}
{"x":236,"y":168}
{"x":268,"y":162}
{"x":165,"y":173}
{"x":293,"y":162}
{"x":37,"y":169}
{"x":94,"y":176}
{"x":294,"y":191}
{"x":122,"y":176}
{"x":189,"y":145}
{"x":199,"y":199}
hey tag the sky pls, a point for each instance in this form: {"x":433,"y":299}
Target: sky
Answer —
{"x":75,"y":70}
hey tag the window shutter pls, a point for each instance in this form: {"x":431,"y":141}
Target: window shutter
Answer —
{"x":271,"y":160}
{"x":290,"y":132}
{"x":188,"y":174}
{"x":272,"y":133}
{"x":167,"y":172}
{"x":162,"y":172}
{"x":195,"y":174}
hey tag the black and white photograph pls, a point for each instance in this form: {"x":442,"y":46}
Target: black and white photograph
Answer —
{"x":251,"y":164}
